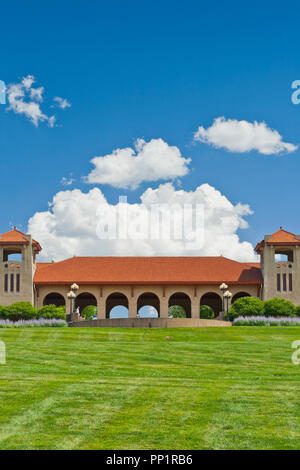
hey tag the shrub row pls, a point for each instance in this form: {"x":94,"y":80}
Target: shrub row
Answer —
{"x":42,"y":322}
{"x":252,"y":306}
{"x":266,"y":321}
{"x":25,"y":311}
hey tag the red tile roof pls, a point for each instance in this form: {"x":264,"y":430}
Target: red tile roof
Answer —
{"x":148,"y":270}
{"x":281,"y":237}
{"x":15,"y":237}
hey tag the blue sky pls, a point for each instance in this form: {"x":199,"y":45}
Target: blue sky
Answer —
{"x":151,"y":70}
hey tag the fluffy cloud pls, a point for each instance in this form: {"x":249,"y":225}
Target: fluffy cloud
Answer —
{"x":24,"y":99}
{"x":243,"y":136}
{"x":61,"y":102}
{"x":71,"y":224}
{"x":148,"y":161}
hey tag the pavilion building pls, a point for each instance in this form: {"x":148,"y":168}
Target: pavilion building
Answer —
{"x":160,"y":282}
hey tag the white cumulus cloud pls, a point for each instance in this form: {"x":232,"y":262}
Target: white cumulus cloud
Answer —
{"x":243,"y":136}
{"x":71,"y":224}
{"x":148,"y":161}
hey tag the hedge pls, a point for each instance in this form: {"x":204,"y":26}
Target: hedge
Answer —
{"x":279,"y":308}
{"x":252,"y":306}
{"x":246,"y":306}
{"x":25,"y":311}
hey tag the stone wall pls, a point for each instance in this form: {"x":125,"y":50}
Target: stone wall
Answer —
{"x":149,"y":323}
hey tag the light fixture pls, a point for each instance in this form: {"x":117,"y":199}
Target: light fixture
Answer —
{"x":223,"y":288}
{"x":227,"y":296}
{"x":71,"y":296}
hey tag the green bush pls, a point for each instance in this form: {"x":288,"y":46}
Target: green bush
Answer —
{"x":51,"y":311}
{"x":279,"y":308}
{"x":25,"y":311}
{"x":206,"y":312}
{"x":297,"y":311}
{"x":176,"y":312}
{"x":89,"y":312}
{"x":246,"y":307}
{"x":18,"y":311}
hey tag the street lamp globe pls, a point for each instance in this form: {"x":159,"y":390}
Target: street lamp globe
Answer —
{"x":227,"y":294}
{"x":223,"y":287}
{"x":74,"y":287}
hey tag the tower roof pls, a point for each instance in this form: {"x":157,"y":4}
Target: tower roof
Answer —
{"x":281,"y":237}
{"x":15,"y":237}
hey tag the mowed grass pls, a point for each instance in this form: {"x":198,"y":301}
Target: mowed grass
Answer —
{"x":205,"y":388}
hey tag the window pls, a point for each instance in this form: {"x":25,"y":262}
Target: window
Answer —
{"x":290,"y":282}
{"x":18,"y":283}
{"x":12,"y":283}
{"x":278,"y":283}
{"x":5,"y":282}
{"x":284,"y":282}
{"x":284,"y":255}
{"x":12,"y":255}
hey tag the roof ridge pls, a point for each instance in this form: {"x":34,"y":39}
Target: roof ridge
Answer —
{"x":146,"y":257}
{"x":283,"y":230}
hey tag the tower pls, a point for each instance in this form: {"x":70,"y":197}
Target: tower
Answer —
{"x":280,"y":265}
{"x":17,"y":267}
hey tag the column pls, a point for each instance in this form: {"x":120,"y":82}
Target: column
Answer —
{"x":195,"y":306}
{"x":101,"y":305}
{"x":132,"y":307}
{"x":164,"y":307}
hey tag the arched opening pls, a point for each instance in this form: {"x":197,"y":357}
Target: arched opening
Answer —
{"x":54,"y":299}
{"x":12,"y":254}
{"x":116,"y":306}
{"x":148,"y":305}
{"x":182,"y":300}
{"x":85,"y":300}
{"x":239,"y":295}
{"x":213,"y":300}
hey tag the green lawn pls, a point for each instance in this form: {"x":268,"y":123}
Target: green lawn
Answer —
{"x":206,"y":388}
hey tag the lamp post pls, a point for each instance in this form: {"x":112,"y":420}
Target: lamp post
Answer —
{"x":223,"y":288}
{"x":227,"y":296}
{"x":71,"y":296}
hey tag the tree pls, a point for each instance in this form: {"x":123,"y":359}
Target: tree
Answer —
{"x":279,"y":308}
{"x":206,"y":312}
{"x":89,"y":312}
{"x":247,"y":307}
{"x":176,"y":312}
